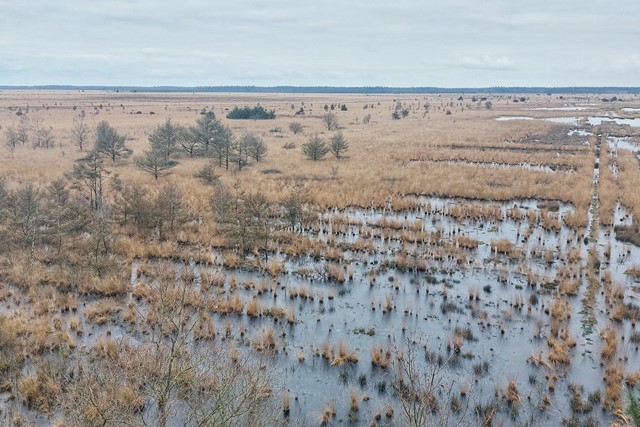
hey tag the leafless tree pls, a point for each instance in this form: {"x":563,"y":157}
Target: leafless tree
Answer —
{"x":155,"y":162}
{"x":168,"y":208}
{"x":11,"y":139}
{"x":221,"y":147}
{"x":99,"y":395}
{"x":191,"y":142}
{"x":331,"y":121}
{"x":295,"y":206}
{"x":43,"y":137}
{"x":110,"y":143}
{"x":166,"y":138}
{"x":428,"y":396}
{"x":256,"y":148}
{"x":194,"y":383}
{"x":89,"y":175}
{"x":80,"y":132}
{"x":26,"y":216}
{"x":295,"y":127}
{"x":207,"y":173}
{"x":23,"y":130}
{"x":64,"y":214}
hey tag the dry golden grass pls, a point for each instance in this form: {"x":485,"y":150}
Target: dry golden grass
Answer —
{"x":106,"y":347}
{"x":105,"y":286}
{"x":204,"y":330}
{"x":380,"y":357}
{"x":609,"y":339}
{"x":629,"y":179}
{"x":513,"y":395}
{"x":100,"y":310}
{"x":467,"y":154}
{"x":331,"y":182}
{"x":609,"y":189}
{"x":39,"y":391}
{"x":560,"y":309}
{"x":253,"y":308}
{"x":503,"y":246}
{"x":569,"y":287}
{"x":560,"y":350}
{"x":345,"y":354}
{"x":613,"y":376}
{"x":335,"y":272}
{"x":266,"y":341}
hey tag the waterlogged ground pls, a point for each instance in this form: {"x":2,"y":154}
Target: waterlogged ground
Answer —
{"x":495,"y":299}
{"x":415,"y":290}
{"x":429,"y":282}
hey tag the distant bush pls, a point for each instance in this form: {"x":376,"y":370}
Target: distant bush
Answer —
{"x":256,"y":113}
{"x":271,"y":171}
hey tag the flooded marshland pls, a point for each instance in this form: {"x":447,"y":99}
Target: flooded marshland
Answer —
{"x":485,"y":278}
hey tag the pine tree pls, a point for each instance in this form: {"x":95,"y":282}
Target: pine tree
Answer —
{"x":315,"y":149}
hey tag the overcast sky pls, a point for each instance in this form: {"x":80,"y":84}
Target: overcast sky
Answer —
{"x":446,"y":43}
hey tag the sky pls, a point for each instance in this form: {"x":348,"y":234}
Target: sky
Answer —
{"x":400,"y":43}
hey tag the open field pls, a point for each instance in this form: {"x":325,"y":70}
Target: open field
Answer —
{"x":457,"y":264}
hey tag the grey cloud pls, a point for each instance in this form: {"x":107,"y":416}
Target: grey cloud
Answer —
{"x":376,"y":42}
{"x":487,"y":62}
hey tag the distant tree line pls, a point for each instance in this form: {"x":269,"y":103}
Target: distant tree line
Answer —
{"x":346,"y":89}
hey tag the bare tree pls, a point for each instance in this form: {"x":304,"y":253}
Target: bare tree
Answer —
{"x":155,"y":162}
{"x":110,"y":143}
{"x":43,"y":136}
{"x":338,"y":145}
{"x":256,"y":148}
{"x":26,"y":216}
{"x":23,"y":130}
{"x":166,"y":138}
{"x":295,"y":206}
{"x":195,"y":384}
{"x":331,"y":121}
{"x":428,"y":397}
{"x":89,"y":175}
{"x":11,"y":139}
{"x":222,"y":146}
{"x":4,"y":199}
{"x":168,"y":208}
{"x":101,"y":242}
{"x":207,"y":129}
{"x":222,"y":204}
{"x":257,"y":211}
{"x":316,"y":148}
{"x":132,"y":203}
{"x":240,"y":151}
{"x":99,"y":395}
{"x":207,"y":173}
{"x":191,"y":141}
{"x":295,"y":127}
{"x":64,"y":214}
{"x":80,"y":132}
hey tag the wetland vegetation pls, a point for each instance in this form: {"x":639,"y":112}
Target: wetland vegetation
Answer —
{"x":172,"y":259}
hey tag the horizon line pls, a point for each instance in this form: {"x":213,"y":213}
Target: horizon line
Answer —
{"x":339,"y":89}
